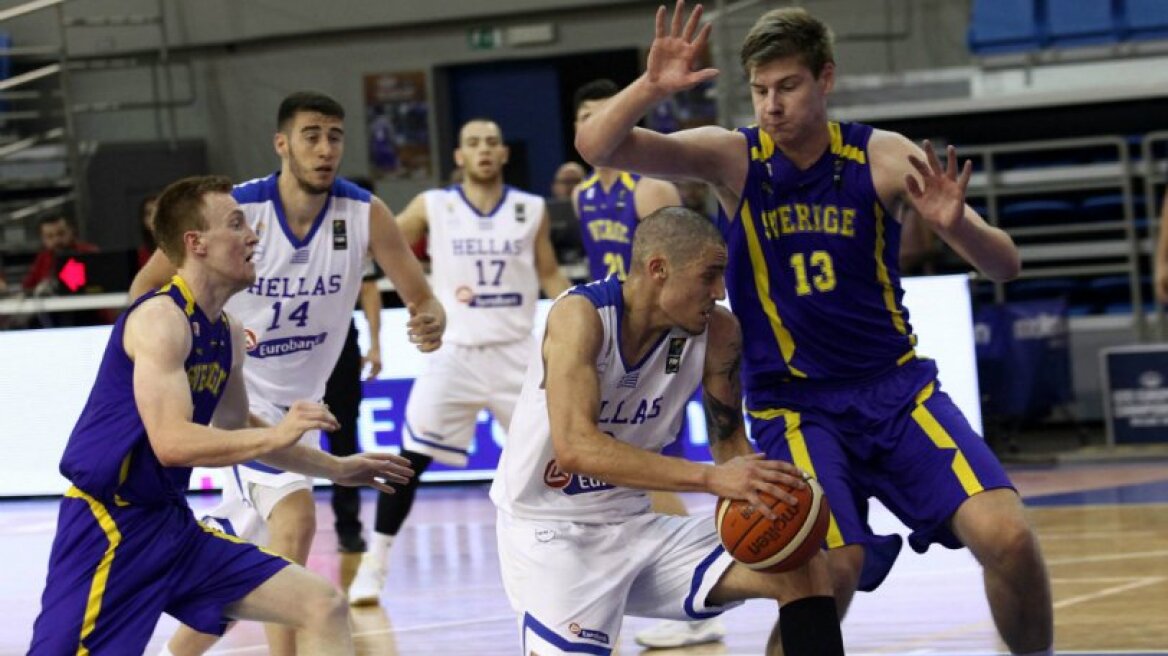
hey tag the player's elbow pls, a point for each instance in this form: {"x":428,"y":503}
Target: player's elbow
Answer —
{"x":589,"y":148}
{"x":170,"y":455}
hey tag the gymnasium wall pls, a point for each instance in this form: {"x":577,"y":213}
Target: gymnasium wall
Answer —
{"x":245,"y":56}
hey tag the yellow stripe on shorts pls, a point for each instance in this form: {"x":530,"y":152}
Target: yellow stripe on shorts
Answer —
{"x":943,"y":440}
{"x":101,"y":576}
{"x":801,"y":458}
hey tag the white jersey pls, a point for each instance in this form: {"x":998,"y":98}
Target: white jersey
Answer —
{"x":641,"y":404}
{"x":484,"y":265}
{"x":297,"y":313}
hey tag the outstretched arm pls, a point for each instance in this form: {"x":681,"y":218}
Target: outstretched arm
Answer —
{"x":158,"y":340}
{"x":610,"y":136}
{"x":371,"y":307}
{"x":911,"y":180}
{"x":392,"y":253}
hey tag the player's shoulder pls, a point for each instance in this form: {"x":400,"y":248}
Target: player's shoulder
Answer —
{"x":347,"y":189}
{"x":599,"y":293}
{"x":723,"y":324}
{"x":517,"y":195}
{"x":256,"y":190}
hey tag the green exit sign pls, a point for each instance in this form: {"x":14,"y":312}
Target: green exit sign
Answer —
{"x":484,"y":38}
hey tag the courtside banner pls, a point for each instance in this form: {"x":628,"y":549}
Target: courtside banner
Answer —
{"x":46,"y":376}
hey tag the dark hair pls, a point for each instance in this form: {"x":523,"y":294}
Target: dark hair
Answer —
{"x":678,"y":233}
{"x":180,"y":209}
{"x":785,"y":32}
{"x":307,"y":101}
{"x":595,"y":90}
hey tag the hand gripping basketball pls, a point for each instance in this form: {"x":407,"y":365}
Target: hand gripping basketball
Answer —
{"x":778,"y":545}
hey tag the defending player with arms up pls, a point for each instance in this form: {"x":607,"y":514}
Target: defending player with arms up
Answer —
{"x":491,"y":253}
{"x":578,"y":544}
{"x":169,"y":396}
{"x":812,"y":211}
{"x":315,"y":230}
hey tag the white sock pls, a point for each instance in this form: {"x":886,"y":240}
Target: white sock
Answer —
{"x":379,"y":548}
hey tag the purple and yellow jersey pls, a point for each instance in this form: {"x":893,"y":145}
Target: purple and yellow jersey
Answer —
{"x":813,"y":274}
{"x":108,"y":456}
{"x":608,"y":219}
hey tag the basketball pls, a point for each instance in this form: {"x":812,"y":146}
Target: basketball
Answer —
{"x":781,"y":545}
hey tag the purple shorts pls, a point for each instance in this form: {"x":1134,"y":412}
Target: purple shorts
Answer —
{"x":114,"y":571}
{"x":898,"y":439}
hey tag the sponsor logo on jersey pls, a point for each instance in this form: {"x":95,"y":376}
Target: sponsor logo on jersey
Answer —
{"x":287,"y":345}
{"x":464,"y":294}
{"x":673,"y":358}
{"x":340,"y":235}
{"x":588,"y":634}
{"x":497,"y":300}
{"x":250,"y":340}
{"x":554,"y":477}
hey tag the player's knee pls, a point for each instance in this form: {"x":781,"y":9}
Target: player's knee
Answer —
{"x":326,"y":609}
{"x":1011,"y":541}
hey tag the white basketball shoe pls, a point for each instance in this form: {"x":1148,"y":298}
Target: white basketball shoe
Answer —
{"x":672,"y":633}
{"x":365,"y":590}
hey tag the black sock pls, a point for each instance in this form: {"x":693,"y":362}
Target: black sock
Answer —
{"x":811,"y":627}
{"x":393,"y":508}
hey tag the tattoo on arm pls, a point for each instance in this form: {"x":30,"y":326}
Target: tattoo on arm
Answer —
{"x":723,"y":420}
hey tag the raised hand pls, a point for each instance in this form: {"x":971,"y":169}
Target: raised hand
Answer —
{"x":302,"y":417}
{"x":939,"y":196}
{"x":425,"y":328}
{"x":744,"y":477}
{"x":674,"y":53}
{"x":375,"y":470}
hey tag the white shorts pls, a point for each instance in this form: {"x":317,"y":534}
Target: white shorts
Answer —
{"x":253,"y":489}
{"x":571,"y":583}
{"x":460,"y":381}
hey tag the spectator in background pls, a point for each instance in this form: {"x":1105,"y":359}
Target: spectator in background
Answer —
{"x":567,"y":177}
{"x":57,"y":238}
{"x":146,"y":215}
{"x":1161,"y":268}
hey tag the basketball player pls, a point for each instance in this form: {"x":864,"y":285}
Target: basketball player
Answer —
{"x":609,"y":204}
{"x":169,"y":396}
{"x":811,"y":215}
{"x":315,"y":230}
{"x":578,"y":544}
{"x":491,"y":253}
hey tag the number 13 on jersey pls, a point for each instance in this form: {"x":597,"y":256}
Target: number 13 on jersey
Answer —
{"x":822,"y":274}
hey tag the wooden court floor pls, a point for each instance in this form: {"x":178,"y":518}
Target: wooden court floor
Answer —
{"x":1104,"y":529}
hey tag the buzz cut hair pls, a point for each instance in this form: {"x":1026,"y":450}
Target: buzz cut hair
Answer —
{"x":677,"y":232}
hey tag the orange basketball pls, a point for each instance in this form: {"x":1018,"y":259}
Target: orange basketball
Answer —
{"x":780,"y":545}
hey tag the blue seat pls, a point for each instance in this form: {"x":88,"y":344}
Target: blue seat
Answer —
{"x":1003,"y":26}
{"x":1146,"y":19}
{"x":1021,"y":213}
{"x":1081,"y":22}
{"x":1109,"y":207}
